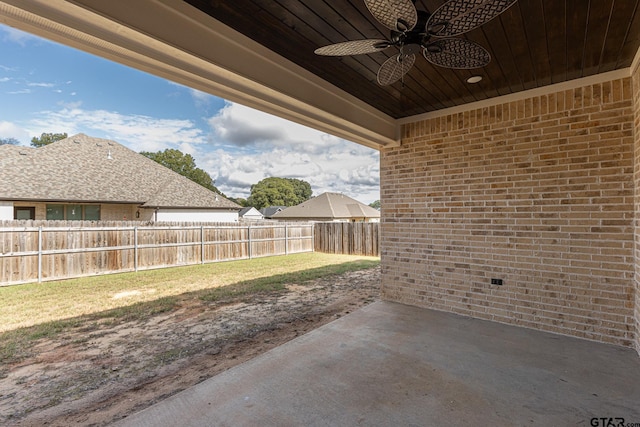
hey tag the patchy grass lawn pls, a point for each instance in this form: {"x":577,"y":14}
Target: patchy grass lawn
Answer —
{"x":90,"y":351}
{"x":60,"y":304}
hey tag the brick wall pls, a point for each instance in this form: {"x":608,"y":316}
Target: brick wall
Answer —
{"x":636,"y":95}
{"x":537,"y":192}
{"x":120,"y":213}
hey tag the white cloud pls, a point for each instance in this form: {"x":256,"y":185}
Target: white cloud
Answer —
{"x":39,"y":84}
{"x":200,"y":98}
{"x":16,"y":36}
{"x":242,"y":126}
{"x":12,"y":130}
{"x":254,"y":145}
{"x":244,"y":147}
{"x":70,"y":105}
{"x":138,"y":132}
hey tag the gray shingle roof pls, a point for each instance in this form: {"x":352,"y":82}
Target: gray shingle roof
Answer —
{"x":329,"y":206}
{"x":271,"y":210}
{"x":86,"y":169}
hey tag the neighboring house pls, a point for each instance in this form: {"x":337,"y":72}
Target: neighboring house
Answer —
{"x":250,"y":213}
{"x":271,"y":211}
{"x":330,"y":207}
{"x":86,"y":178}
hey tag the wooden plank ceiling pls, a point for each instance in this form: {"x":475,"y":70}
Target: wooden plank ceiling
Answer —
{"x":533,"y":44}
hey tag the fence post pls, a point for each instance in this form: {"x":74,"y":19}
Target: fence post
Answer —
{"x":286,"y":240}
{"x":202,"y":244}
{"x":40,"y":254}
{"x":249,"y":235}
{"x":135,"y":248}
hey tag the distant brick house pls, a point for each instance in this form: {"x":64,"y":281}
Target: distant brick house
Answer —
{"x":330,"y":207}
{"x":86,"y":178}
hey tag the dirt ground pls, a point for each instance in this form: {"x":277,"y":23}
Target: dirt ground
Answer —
{"x":100,"y":376}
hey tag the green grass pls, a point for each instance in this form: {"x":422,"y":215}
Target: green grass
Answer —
{"x":31,"y":304}
{"x":34,"y":311}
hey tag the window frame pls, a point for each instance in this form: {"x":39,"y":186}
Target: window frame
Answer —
{"x":31,"y":209}
{"x":68,"y":208}
{"x":51,"y":207}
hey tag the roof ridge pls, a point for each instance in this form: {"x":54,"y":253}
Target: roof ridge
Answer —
{"x":333,"y":212}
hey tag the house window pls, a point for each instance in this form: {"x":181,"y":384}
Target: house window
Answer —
{"x":55,"y":212}
{"x":24,"y":212}
{"x":73,"y":212}
{"x":92,"y":212}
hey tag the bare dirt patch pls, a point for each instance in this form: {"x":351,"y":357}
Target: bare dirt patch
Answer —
{"x":104,"y":371}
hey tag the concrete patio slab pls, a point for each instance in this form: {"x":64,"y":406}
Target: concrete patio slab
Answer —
{"x":394,"y":365}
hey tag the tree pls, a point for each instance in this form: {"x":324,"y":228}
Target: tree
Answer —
{"x":9,"y":141}
{"x":47,"y":138}
{"x":275,"y":191}
{"x":301,"y":188}
{"x":240,"y":201}
{"x":185,"y":165}
{"x":375,"y":205}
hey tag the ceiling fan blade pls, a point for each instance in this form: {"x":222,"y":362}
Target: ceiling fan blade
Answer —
{"x":459,"y":16}
{"x":456,"y":53}
{"x":398,"y":15}
{"x":356,"y":47}
{"x":394,"y":68}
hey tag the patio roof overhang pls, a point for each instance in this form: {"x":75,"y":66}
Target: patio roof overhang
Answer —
{"x":173,"y":40}
{"x":260,"y":54}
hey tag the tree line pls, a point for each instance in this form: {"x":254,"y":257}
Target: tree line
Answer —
{"x":271,"y":191}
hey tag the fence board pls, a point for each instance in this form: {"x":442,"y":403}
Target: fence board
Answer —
{"x":74,"y":249}
{"x":352,"y":238}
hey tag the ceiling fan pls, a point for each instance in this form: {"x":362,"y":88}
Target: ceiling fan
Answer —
{"x":413,"y":30}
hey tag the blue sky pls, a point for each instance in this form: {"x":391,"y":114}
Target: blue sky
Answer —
{"x":48,"y":87}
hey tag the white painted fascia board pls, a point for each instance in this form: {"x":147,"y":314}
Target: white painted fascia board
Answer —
{"x":173,"y":40}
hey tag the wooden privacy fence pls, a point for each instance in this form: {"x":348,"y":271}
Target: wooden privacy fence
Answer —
{"x":37,"y":253}
{"x":353,"y":238}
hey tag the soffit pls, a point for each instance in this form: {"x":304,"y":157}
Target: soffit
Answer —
{"x":533,"y":44}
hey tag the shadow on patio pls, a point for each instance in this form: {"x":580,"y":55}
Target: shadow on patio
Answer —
{"x":390,"y":364}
